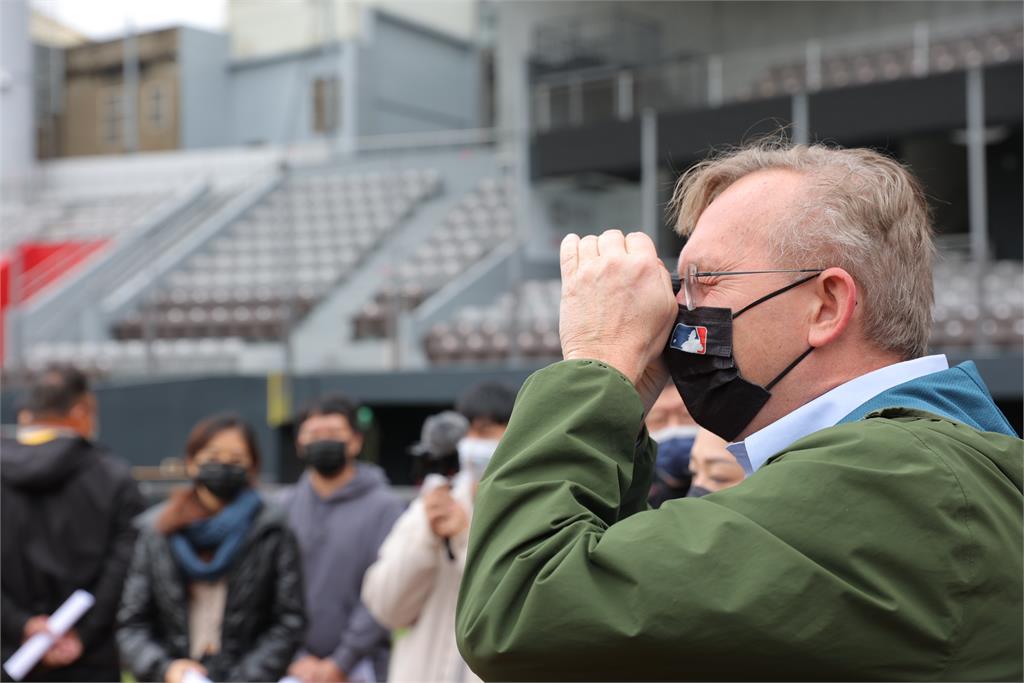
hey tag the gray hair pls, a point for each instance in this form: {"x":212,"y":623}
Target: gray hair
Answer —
{"x":863,"y":212}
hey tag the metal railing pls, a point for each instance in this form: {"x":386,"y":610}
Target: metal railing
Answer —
{"x":50,"y":313}
{"x":588,"y":95}
{"x":119,"y":301}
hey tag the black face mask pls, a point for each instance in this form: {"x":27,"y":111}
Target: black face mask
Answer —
{"x":326,"y":457}
{"x":223,"y":480}
{"x":700,"y":359}
{"x":697,"y":492}
{"x":664,"y":489}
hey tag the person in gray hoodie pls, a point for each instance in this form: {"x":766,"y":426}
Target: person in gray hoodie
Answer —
{"x":341,"y":511}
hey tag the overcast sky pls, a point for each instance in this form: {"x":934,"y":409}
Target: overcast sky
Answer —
{"x":99,"y":19}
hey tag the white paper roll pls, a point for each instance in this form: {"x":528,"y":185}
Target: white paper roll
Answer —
{"x":68,"y":614}
{"x":28,"y":655}
{"x":193,"y":676}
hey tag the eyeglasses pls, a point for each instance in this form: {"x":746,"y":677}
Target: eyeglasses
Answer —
{"x":693,"y":272}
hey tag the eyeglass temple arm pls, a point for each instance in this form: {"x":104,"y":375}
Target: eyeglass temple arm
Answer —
{"x":677,"y":283}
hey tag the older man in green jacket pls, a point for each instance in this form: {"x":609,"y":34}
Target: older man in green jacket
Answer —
{"x":878,"y":535}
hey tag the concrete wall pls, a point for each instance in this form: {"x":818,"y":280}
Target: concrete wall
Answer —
{"x":404,"y":78}
{"x":271,"y":100}
{"x":260,"y":28}
{"x":203,"y":105}
{"x":414,"y":79}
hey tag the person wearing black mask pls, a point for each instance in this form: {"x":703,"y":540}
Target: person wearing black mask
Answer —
{"x":878,"y":534}
{"x":215,"y":585}
{"x":341,"y":510}
{"x":672,"y":428}
{"x":712,"y":466}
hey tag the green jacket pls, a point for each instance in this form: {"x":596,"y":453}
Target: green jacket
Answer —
{"x":889,"y":548}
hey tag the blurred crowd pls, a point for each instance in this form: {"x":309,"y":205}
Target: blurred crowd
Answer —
{"x":334,"y":578}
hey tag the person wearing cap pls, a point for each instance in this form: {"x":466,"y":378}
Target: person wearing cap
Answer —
{"x":437,"y":451}
{"x":414,"y":583}
{"x":340,"y":510}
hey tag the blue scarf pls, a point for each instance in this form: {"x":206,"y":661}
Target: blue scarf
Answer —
{"x":224,"y":532}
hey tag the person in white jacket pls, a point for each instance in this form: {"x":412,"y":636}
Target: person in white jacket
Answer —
{"x":414,"y":584}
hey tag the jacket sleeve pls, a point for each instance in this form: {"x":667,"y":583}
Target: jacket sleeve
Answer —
{"x":363,"y":633}
{"x":140,"y":649}
{"x":270,"y":656}
{"x":400,"y":581}
{"x":567,"y":579}
{"x":98,"y":621}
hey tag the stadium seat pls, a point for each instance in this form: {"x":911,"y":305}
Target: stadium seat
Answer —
{"x":962,"y":320}
{"x":305,"y":237}
{"x":470,"y":230}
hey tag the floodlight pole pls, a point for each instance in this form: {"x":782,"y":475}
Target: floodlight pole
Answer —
{"x":977,"y":200}
{"x":801,"y":119}
{"x":649,"y":173}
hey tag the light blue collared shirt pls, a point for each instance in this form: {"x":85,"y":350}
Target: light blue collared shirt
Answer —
{"x":828,"y":409}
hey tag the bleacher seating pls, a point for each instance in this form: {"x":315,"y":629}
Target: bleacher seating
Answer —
{"x":99,"y":359}
{"x":871,"y":66}
{"x":283,"y":256}
{"x":528,"y":330}
{"x":483,"y":334}
{"x":963,"y":319}
{"x":493,"y":334}
{"x":481,"y":221}
{"x":55,"y":218}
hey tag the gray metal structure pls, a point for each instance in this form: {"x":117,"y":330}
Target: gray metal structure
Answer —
{"x":17,"y":139}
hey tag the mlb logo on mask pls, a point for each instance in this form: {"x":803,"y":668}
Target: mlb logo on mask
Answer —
{"x":689,"y":339}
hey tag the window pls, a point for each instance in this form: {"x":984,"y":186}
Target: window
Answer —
{"x":326,"y":105}
{"x":155,"y":106}
{"x":111,"y":119}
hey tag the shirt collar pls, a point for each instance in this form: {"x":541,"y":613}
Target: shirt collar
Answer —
{"x":828,"y":409}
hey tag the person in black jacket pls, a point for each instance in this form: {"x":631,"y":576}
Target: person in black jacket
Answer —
{"x":66,"y":511}
{"x":215,"y":584}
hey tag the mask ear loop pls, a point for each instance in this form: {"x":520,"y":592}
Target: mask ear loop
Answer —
{"x":766,"y":297}
{"x":778,"y":378}
{"x":768,"y":387}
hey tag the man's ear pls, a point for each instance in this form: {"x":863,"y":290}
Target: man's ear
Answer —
{"x":83,"y":409}
{"x":84,"y":416}
{"x":354,"y":446}
{"x":80,"y":412}
{"x":835,"y":304}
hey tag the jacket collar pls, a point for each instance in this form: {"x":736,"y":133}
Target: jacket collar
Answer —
{"x":828,"y":410}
